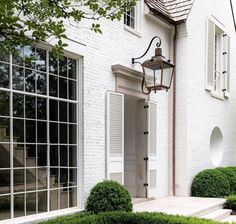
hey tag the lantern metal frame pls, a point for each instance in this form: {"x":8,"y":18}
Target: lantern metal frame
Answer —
{"x":157,"y":60}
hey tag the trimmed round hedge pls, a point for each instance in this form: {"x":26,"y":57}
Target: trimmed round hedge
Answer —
{"x":109,"y":196}
{"x":213,"y":183}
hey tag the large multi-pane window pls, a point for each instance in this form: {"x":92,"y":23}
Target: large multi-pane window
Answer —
{"x":38,"y":132}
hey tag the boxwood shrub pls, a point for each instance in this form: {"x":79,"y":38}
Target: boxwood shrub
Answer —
{"x":213,"y":183}
{"x":109,"y":196}
{"x":231,"y":202}
{"x":128,"y":218}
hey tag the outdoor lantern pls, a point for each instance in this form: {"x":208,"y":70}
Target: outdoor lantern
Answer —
{"x":157,"y":71}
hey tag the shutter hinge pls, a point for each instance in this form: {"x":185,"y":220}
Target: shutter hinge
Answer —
{"x":145,"y":133}
{"x":224,"y":53}
{"x":145,"y":184}
{"x":224,"y":72}
{"x":225,"y":35}
{"x":223,"y":90}
{"x":146,"y":106}
{"x":145,"y":159}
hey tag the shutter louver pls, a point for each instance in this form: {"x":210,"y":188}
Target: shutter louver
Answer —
{"x":115,"y":137}
{"x":210,"y":55}
{"x":152,"y":150}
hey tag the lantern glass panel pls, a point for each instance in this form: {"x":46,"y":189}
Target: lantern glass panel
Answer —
{"x":153,"y":77}
{"x":167,"y":77}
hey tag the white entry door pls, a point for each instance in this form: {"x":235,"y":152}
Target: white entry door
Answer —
{"x":152,"y":150}
{"x":115,"y":137}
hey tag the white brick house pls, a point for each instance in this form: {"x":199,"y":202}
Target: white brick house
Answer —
{"x":83,"y":119}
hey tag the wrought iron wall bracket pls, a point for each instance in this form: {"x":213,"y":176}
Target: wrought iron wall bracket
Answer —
{"x":150,"y":44}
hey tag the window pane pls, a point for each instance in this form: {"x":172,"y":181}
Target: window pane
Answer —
{"x":18,"y":56}
{"x":53,"y":200}
{"x":63,"y":111}
{"x":4,"y":74}
{"x":63,"y":198}
{"x":18,"y":105}
{"x":42,"y":201}
{"x":72,"y":90}
{"x":73,"y":133}
{"x":40,"y":59}
{"x":19,"y":180}
{"x":30,"y":107}
{"x":41,"y":108}
{"x":41,"y":83}
{"x":53,"y":86}
{"x":54,"y":172}
{"x":18,"y":130}
{"x":19,"y":205}
{"x":72,"y":68}
{"x":5,"y":129}
{"x":42,"y":178}
{"x":64,"y":177}
{"x":63,"y":66}
{"x":4,"y":181}
{"x":63,"y":156}
{"x":4,"y":57}
{"x":53,"y":64}
{"x":42,"y":155}
{"x":73,"y":177}
{"x":5,"y":207}
{"x":18,"y":153}
{"x":18,"y":78}
{"x":72,"y":197}
{"x":4,"y":103}
{"x":4,"y":156}
{"x":53,"y":104}
{"x":30,"y":155}
{"x":63,"y":88}
{"x":30,"y":203}
{"x":54,"y":155}
{"x":63,"y":134}
{"x":73,"y":156}
{"x":53,"y":132}
{"x":30,"y":131}
{"x":29,"y":81}
{"x":42,"y":132}
{"x":30,"y":179}
{"x":29,"y":54}
{"x":72,"y":112}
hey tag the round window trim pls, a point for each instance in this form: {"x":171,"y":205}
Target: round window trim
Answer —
{"x":216,"y":146}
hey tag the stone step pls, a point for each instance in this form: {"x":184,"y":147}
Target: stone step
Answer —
{"x":208,"y":209}
{"x":218,"y":214}
{"x":230,"y":219}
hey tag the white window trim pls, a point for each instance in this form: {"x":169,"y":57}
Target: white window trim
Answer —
{"x":137,"y":26}
{"x":221,"y":95}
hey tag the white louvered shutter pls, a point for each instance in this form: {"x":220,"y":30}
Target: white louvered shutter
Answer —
{"x":152,"y":150}
{"x":115,"y":137}
{"x":226,"y":59}
{"x":210,"y":46}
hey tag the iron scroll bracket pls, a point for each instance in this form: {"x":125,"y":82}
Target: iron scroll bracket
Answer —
{"x":150,"y":44}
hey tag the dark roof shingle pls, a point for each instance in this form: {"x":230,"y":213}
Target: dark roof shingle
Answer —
{"x":174,"y":10}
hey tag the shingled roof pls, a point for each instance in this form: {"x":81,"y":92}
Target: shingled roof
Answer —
{"x":174,"y":11}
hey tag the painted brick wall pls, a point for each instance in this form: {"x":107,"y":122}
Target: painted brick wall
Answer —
{"x":197,"y":111}
{"x":115,"y":46}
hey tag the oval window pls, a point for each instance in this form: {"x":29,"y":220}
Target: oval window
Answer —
{"x":216,"y":146}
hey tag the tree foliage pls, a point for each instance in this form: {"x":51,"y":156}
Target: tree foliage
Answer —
{"x":23,"y":22}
